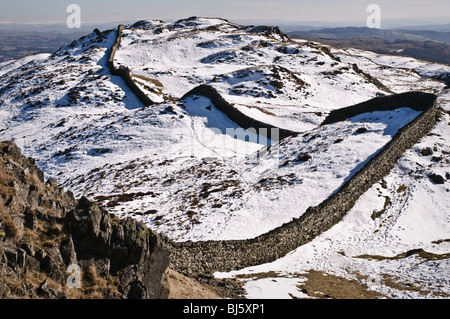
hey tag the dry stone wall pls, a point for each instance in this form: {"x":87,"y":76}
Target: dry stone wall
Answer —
{"x":229,"y":110}
{"x":235,"y":115}
{"x":125,"y":72}
{"x":199,"y":259}
{"x":204,"y":258}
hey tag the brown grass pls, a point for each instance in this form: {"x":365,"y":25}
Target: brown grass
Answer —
{"x":419,"y":252}
{"x":153,"y":81}
{"x":402,"y":189}
{"x":35,"y":278}
{"x":182,"y":287}
{"x":32,"y":179}
{"x":387,"y":204}
{"x":440,"y":241}
{"x":95,"y":286}
{"x":321,"y":285}
{"x":6,"y":191}
{"x":51,"y":234}
{"x":15,"y":283}
{"x":15,"y":286}
{"x":30,"y":236}
{"x":8,"y":225}
{"x":395,"y":283}
{"x":260,"y":275}
{"x":326,"y":286}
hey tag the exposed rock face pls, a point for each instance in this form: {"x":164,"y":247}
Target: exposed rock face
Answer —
{"x":46,"y":236}
{"x":437,"y":179}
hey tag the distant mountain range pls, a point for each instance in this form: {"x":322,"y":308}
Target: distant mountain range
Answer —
{"x":388,"y":35}
{"x":18,"y":44}
{"x":433,"y":46}
{"x":18,"y":41}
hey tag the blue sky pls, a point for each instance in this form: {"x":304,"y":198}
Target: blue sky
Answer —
{"x":54,"y":11}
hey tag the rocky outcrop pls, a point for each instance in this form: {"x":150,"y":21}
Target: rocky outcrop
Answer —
{"x":126,"y":249}
{"x":54,"y":246}
{"x":268,"y":31}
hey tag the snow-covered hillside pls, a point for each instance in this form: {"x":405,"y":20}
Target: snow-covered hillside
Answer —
{"x":394,"y":242}
{"x":191,"y":173}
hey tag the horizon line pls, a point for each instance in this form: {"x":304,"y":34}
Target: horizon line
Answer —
{"x":289,"y":21}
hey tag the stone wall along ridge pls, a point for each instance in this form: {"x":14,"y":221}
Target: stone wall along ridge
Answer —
{"x":204,"y":258}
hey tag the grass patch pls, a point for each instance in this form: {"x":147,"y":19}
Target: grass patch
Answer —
{"x":440,"y":241}
{"x":153,"y":81}
{"x":50,"y":234}
{"x":118,"y":199}
{"x":394,"y":283}
{"x":402,"y":189}
{"x":387,"y":204}
{"x":7,"y":189}
{"x":9,"y":227}
{"x":322,"y":285}
{"x":259,"y":275}
{"x":95,"y":286}
{"x":419,"y":252}
{"x":262,"y":110}
{"x":326,"y":286}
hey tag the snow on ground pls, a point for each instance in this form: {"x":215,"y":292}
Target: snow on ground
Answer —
{"x":414,"y":74}
{"x":190,"y":173}
{"x":184,"y":168}
{"x":7,"y":66}
{"x":405,"y":212}
{"x":282,"y":82}
{"x":313,"y":168}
